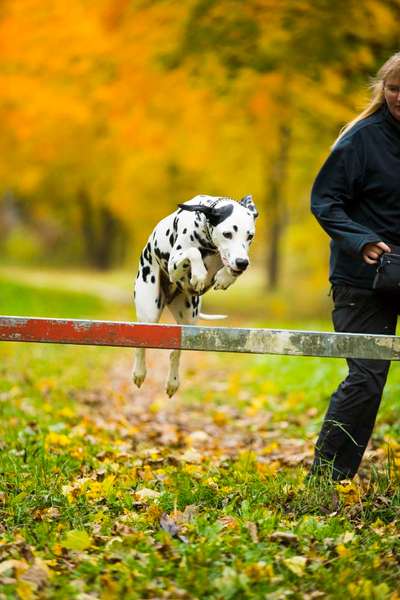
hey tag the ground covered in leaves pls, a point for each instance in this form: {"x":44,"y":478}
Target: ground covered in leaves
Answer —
{"x":108,"y":492}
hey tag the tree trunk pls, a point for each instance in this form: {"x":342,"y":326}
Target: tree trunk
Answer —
{"x":104,"y":235}
{"x":276,"y":206}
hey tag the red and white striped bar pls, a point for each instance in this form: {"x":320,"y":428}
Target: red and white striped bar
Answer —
{"x":215,"y":339}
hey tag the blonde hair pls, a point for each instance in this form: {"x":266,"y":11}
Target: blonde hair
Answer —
{"x":389,"y":68}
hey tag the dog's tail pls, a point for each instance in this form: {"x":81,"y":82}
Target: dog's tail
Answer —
{"x":211,"y":317}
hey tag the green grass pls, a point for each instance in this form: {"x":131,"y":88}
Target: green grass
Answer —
{"x":19,"y":299}
{"x":78,"y":449}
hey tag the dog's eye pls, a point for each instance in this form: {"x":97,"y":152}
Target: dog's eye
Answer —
{"x":227,"y":234}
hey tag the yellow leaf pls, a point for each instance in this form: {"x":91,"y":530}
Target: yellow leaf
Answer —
{"x":392,"y":443}
{"x":109,"y":588}
{"x":76,"y":539}
{"x":259,"y":571}
{"x":66,"y":412}
{"x":376,"y":562}
{"x":294,"y":399}
{"x":108,"y":484}
{"x":269,"y":448}
{"x":78,"y":453}
{"x":342,"y":550}
{"x":268,"y":469}
{"x":210,"y":481}
{"x":220,"y":418}
{"x":147,"y":473}
{"x":296,"y":564}
{"x":349,"y":492}
{"x":25,"y":590}
{"x":54,"y":439}
{"x":57,"y":549}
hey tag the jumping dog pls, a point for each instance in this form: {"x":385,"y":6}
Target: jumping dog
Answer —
{"x":203,"y":244}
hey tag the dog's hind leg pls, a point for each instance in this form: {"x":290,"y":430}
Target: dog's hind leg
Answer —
{"x":185,"y":311}
{"x":149,"y":302}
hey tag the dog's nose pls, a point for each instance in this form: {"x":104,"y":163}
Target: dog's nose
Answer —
{"x":242,"y":263}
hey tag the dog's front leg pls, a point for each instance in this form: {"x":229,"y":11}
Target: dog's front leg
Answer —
{"x":179,"y":263}
{"x":223,"y":279}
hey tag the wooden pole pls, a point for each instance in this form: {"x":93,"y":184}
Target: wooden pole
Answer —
{"x":186,"y":337}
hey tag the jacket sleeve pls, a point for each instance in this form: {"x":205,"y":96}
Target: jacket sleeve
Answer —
{"x":332,"y":195}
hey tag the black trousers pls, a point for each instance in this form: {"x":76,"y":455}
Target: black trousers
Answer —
{"x":351,"y":414}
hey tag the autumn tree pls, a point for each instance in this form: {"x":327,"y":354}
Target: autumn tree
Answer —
{"x":315,"y":55}
{"x":113,"y":112}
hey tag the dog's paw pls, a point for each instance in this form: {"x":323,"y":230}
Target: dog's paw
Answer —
{"x":198,"y":282}
{"x":138,"y":378}
{"x":223,"y":279}
{"x":172,"y":386}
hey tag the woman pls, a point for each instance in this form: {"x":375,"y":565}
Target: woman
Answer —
{"x":356,"y":199}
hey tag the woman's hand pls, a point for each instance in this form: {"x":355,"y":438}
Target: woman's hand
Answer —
{"x":372,"y":252}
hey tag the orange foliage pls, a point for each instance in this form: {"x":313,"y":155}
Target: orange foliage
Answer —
{"x":87,"y":99}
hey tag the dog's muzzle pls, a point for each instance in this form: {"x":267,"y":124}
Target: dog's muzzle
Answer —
{"x":241,"y":265}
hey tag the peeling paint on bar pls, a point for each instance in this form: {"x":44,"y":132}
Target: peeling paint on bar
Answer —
{"x":217,"y":339}
{"x":296,"y":343}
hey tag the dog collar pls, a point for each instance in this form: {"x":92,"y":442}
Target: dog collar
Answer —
{"x":212,"y":204}
{"x":208,"y":234}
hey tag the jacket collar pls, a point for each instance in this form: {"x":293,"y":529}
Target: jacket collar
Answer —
{"x":389,"y":118}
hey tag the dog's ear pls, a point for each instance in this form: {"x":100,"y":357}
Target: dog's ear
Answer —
{"x":213,"y":215}
{"x":247,"y":202}
{"x":196,"y":208}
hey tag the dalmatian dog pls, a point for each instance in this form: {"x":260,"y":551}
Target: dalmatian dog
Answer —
{"x":203,"y":244}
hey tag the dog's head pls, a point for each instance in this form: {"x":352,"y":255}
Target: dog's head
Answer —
{"x":231,"y":227}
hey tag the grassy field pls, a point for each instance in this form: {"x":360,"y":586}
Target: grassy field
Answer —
{"x":107,"y":492}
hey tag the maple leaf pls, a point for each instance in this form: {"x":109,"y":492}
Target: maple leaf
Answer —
{"x":76,"y":539}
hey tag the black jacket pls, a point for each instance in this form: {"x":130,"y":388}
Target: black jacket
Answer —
{"x":356,"y":196}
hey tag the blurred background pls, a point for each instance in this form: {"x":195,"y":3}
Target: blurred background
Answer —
{"x":114,"y":111}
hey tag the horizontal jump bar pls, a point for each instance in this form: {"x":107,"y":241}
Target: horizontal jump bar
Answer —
{"x":187,"y":337}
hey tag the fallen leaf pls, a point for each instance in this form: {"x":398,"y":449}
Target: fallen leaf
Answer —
{"x":37,"y":574}
{"x":252,"y":529}
{"x":56,"y":440}
{"x":228,"y":522}
{"x":349,"y":492}
{"x":296,"y":564}
{"x":285,"y":537}
{"x":342,"y":550}
{"x":220,"y":418}
{"x":169,"y":525}
{"x":191,"y":456}
{"x":189,"y":513}
{"x":198,"y":437}
{"x":25,"y":590}
{"x":76,"y":539}
{"x":18,"y":565}
{"x":146,"y":494}
{"x":347,"y":536}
